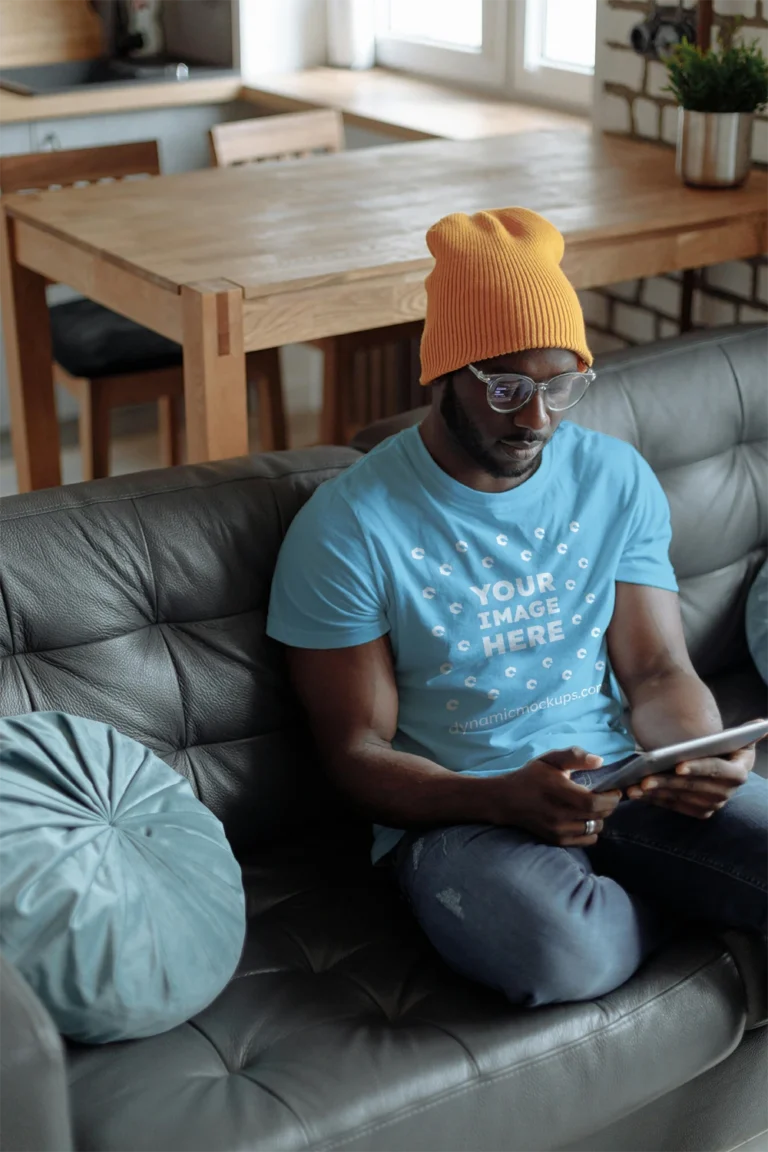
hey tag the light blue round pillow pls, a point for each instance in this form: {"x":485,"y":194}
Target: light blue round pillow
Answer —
{"x":120,"y":899}
{"x":757,"y":621}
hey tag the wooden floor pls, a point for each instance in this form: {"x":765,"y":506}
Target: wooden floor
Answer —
{"x":138,"y":450}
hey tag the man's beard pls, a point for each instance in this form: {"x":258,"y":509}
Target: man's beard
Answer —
{"x":467,"y":436}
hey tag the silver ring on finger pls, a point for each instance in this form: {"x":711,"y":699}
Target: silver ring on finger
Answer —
{"x":590,"y":827}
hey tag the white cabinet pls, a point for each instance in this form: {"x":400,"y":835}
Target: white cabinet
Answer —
{"x":14,"y":138}
{"x":182,"y":133}
{"x":368,"y":137}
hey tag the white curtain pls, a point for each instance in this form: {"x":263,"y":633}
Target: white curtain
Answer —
{"x":351,"y":33}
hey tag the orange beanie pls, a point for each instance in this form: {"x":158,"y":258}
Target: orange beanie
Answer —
{"x":497,"y":287}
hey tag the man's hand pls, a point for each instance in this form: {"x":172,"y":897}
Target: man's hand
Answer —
{"x":541,"y":798}
{"x":697,"y":788}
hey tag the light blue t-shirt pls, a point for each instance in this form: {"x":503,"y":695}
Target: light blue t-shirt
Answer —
{"x":496,"y":604}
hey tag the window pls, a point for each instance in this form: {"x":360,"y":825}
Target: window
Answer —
{"x":554,"y":49}
{"x":459,"y":40}
{"x":461,"y":22}
{"x":541,"y":49}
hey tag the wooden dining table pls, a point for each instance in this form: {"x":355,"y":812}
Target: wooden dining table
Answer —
{"x":231,"y":261}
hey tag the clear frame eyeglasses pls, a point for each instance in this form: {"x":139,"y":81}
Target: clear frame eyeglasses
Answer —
{"x":509,"y":392}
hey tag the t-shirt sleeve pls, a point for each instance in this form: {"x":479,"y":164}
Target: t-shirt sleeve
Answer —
{"x":326,"y":592}
{"x":645,"y":557}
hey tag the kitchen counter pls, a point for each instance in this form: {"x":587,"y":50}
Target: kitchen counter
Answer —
{"x":405,"y":106}
{"x":134,"y":95}
{"x":398,"y":105}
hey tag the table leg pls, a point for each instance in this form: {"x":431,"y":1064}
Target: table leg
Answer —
{"x":27,"y":337}
{"x":214,"y":371}
{"x":686,"y":305}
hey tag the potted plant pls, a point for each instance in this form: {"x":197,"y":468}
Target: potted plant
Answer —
{"x":719,"y":91}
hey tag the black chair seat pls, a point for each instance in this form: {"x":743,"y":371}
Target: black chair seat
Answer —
{"x":89,"y":340}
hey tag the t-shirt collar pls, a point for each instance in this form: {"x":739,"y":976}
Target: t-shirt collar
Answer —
{"x":444,"y":487}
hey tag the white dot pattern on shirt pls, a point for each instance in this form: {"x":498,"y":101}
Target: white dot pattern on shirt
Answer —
{"x":456,"y":608}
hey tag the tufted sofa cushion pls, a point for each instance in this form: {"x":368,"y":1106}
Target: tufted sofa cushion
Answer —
{"x":141,"y":602}
{"x":343,"y":1031}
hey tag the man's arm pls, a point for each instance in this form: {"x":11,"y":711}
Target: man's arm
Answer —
{"x":350,"y":695}
{"x":668,"y":701}
{"x":646,"y":645}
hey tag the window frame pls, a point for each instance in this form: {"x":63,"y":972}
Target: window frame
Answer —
{"x":547,"y":83}
{"x":513,"y":31}
{"x":483,"y":67}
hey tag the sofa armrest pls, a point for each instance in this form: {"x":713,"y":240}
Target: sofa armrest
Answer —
{"x":749,"y":954}
{"x":34,"y":1110}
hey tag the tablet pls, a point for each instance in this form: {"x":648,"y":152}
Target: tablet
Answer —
{"x":665,"y":759}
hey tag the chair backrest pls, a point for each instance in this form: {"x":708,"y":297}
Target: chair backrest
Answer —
{"x":277,"y":137}
{"x":37,"y":171}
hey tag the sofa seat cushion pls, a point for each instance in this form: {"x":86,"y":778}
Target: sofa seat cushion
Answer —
{"x":91,"y":341}
{"x":342,"y":1029}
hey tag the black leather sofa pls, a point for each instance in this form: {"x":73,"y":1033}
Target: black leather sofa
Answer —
{"x":141,"y":601}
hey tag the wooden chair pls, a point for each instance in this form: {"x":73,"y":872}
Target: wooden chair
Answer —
{"x":283,"y":137}
{"x":105,"y":360}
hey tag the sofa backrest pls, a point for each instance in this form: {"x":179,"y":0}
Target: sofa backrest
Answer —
{"x":697,"y":410}
{"x":141,"y":601}
{"x":696,"y":407}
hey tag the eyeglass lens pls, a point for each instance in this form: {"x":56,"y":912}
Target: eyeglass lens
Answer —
{"x":506,"y":395}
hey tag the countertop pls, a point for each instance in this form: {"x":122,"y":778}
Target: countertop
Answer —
{"x":399,"y":105}
{"x":134,"y":95}
{"x":412,"y":109}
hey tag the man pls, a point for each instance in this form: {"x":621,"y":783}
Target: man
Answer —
{"x":460,"y":608}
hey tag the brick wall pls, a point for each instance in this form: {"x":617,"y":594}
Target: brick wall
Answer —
{"x":629,"y":99}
